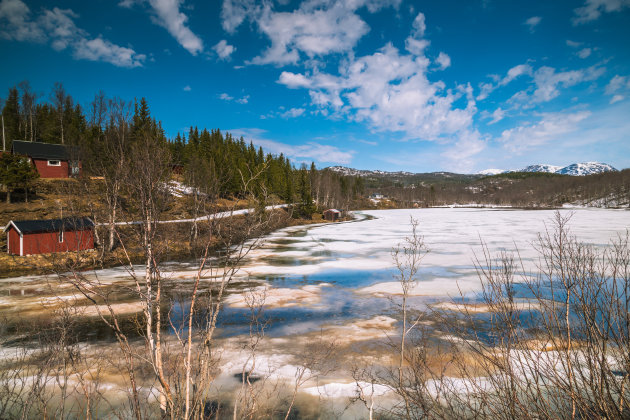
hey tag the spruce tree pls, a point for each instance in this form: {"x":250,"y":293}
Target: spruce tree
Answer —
{"x":11,"y":116}
{"x":16,"y":172}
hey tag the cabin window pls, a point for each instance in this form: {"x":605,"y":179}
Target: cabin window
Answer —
{"x":54,"y":163}
{"x":61,"y":236}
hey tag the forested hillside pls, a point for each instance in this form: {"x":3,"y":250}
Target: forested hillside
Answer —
{"x":518,"y":189}
{"x":213,"y":163}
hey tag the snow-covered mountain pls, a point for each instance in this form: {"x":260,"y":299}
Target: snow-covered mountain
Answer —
{"x":361,"y":172}
{"x":492,"y":172}
{"x":585,"y":168}
{"x":542,"y":168}
{"x":575,"y":169}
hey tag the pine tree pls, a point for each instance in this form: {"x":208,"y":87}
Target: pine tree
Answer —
{"x":16,"y":172}
{"x":11,"y":116}
{"x":306,"y":207}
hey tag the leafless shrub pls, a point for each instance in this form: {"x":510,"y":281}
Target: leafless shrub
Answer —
{"x":560,"y":350}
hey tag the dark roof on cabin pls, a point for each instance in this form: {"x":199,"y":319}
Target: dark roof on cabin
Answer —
{"x":39,"y":150}
{"x":52,"y":225}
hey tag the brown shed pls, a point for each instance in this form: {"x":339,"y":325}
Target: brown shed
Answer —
{"x":332,"y":214}
{"x":28,"y":237}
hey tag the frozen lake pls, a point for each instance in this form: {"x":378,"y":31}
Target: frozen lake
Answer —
{"x":333,"y":281}
{"x":332,"y":273}
{"x":344,"y":268}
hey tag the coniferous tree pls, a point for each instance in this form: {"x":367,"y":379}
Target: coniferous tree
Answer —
{"x":306,"y":207}
{"x":11,"y":116}
{"x":16,"y":172}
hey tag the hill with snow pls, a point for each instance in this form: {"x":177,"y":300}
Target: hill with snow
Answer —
{"x":542,"y":168}
{"x":362,"y":172}
{"x":575,"y":169}
{"x":586,"y":168}
{"x":492,"y":171}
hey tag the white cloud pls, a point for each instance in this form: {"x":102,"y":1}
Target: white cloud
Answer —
{"x":99,"y":49}
{"x":223,"y":49}
{"x":293,"y":113}
{"x":315,"y":32}
{"x":57,"y":26}
{"x":419,"y":26}
{"x":284,"y":113}
{"x":308,"y":151}
{"x":168,"y":15}
{"x":443,"y":60}
{"x":228,"y":98}
{"x":391,"y":92}
{"x":593,"y":9}
{"x":293,"y":80}
{"x":128,"y":4}
{"x":234,"y":12}
{"x":497,"y":116}
{"x":315,"y":29}
{"x":616,"y":98}
{"x":187,"y":88}
{"x":486,"y":89}
{"x":533,"y":22}
{"x":415,"y":43}
{"x":368,"y":142}
{"x":60,"y":26}
{"x":584,"y":52}
{"x":512,"y":74}
{"x":548,"y":81}
{"x":550,"y":128}
{"x":618,"y":87}
{"x":515,"y":72}
{"x":617,"y":83}
{"x":573,"y":44}
{"x":17,"y":24}
{"x":461,"y":156}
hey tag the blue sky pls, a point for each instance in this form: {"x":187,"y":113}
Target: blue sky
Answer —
{"x":372,"y":84}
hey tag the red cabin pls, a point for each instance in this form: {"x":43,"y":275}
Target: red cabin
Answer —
{"x":28,"y":237}
{"x":332,"y":214}
{"x":50,"y":160}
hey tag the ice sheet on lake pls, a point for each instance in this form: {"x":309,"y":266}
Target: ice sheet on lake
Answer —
{"x":453,"y":236}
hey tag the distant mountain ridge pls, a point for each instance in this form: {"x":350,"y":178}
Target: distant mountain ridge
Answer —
{"x":574,"y":169}
{"x":542,"y":168}
{"x":364,"y":172}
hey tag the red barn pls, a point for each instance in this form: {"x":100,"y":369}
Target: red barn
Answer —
{"x":51,"y":160}
{"x":28,"y":237}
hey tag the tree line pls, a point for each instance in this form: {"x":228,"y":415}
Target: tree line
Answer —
{"x":210,"y":161}
{"x":609,"y":189}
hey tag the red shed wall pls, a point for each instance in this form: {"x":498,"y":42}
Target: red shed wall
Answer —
{"x":13,"y":241}
{"x":45,"y":242}
{"x":46,"y":171}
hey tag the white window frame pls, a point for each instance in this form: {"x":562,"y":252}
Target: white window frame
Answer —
{"x":60,"y":237}
{"x":51,"y":162}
